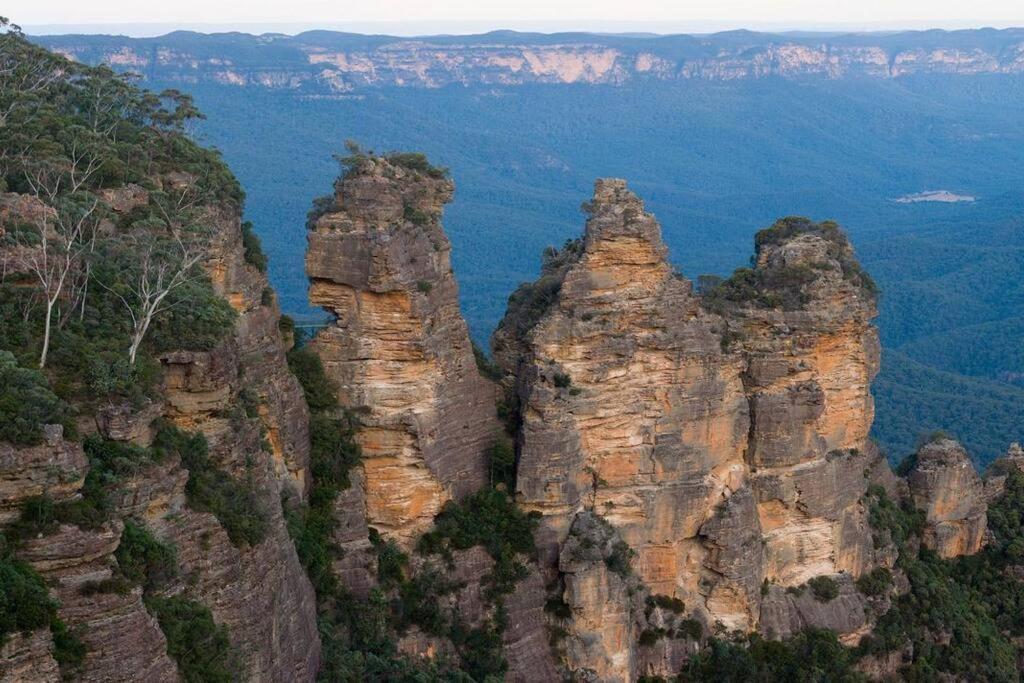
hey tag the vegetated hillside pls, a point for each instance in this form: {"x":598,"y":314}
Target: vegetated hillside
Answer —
{"x":149,"y":425}
{"x":715,"y":159}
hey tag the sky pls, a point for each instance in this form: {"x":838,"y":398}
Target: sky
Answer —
{"x":470,"y":16}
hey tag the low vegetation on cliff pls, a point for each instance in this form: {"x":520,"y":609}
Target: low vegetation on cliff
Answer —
{"x":784,"y":285}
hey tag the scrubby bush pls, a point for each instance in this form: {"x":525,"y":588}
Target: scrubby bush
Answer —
{"x":25,"y":603}
{"x":320,"y":392}
{"x":620,"y":560}
{"x":877,"y":582}
{"x":198,"y":645}
{"x":210,"y":489}
{"x":143,"y":559}
{"x":416,"y":161}
{"x":501,"y":461}
{"x":824,"y":588}
{"x":27,"y":403}
{"x":253,"y":248}
{"x":813,"y":655}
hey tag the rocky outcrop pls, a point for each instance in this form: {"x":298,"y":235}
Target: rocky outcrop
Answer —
{"x":630,"y":406}
{"x":29,"y":657}
{"x":242,"y":398}
{"x":725,"y":436}
{"x":251,"y":410}
{"x":811,"y":353}
{"x":56,"y":467}
{"x":944,"y":484}
{"x":398,"y":348}
{"x":123,"y":641}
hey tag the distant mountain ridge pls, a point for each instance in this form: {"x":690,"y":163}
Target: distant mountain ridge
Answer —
{"x":342,"y":62}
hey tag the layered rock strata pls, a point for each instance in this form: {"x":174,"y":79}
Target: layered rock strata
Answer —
{"x":944,"y":484}
{"x":243,"y":399}
{"x":723,"y":437}
{"x":397,"y":347}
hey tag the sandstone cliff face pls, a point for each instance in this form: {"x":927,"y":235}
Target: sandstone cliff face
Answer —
{"x":944,"y":484}
{"x":630,"y":407}
{"x":809,"y":365}
{"x":260,"y":593}
{"x":724,"y":437}
{"x":398,"y":348}
{"x":331,"y":63}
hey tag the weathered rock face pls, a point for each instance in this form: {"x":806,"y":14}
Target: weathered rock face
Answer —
{"x":945,"y":485}
{"x":725,"y":438}
{"x":55,"y":467}
{"x":630,"y":407}
{"x":398,"y":347}
{"x":29,"y":657}
{"x":603,"y":625}
{"x":811,"y":355}
{"x":335,"y":62}
{"x":260,"y":593}
{"x":123,"y":640}
{"x":251,"y":410}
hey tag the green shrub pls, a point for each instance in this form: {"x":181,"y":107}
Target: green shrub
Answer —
{"x":501,"y":461}
{"x":487,"y":367}
{"x":254,"y":255}
{"x":891,"y":520}
{"x":558,"y":608}
{"x":114,"y":584}
{"x":674,"y":605}
{"x":68,"y":650}
{"x":196,"y":320}
{"x":321,"y":207}
{"x":813,"y":655}
{"x":480,"y":650}
{"x":391,"y":561}
{"x":416,"y":217}
{"x":876,"y":582}
{"x":320,"y":391}
{"x":26,"y":404}
{"x":620,"y":560}
{"x":416,"y":161}
{"x":689,"y":628}
{"x":210,"y":489}
{"x":199,"y":646}
{"x":333,"y":452}
{"x":824,"y":588}
{"x":650,"y":636}
{"x":25,"y":603}
{"x":143,"y":559}
{"x":562,"y":380}
{"x":488,"y":518}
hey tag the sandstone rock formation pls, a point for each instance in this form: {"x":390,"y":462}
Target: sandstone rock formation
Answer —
{"x":397,"y":347}
{"x":945,"y":485}
{"x":811,"y":353}
{"x":630,"y":406}
{"x":724,"y":437}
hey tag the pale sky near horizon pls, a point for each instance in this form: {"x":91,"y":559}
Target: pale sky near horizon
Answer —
{"x":462,"y":16}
